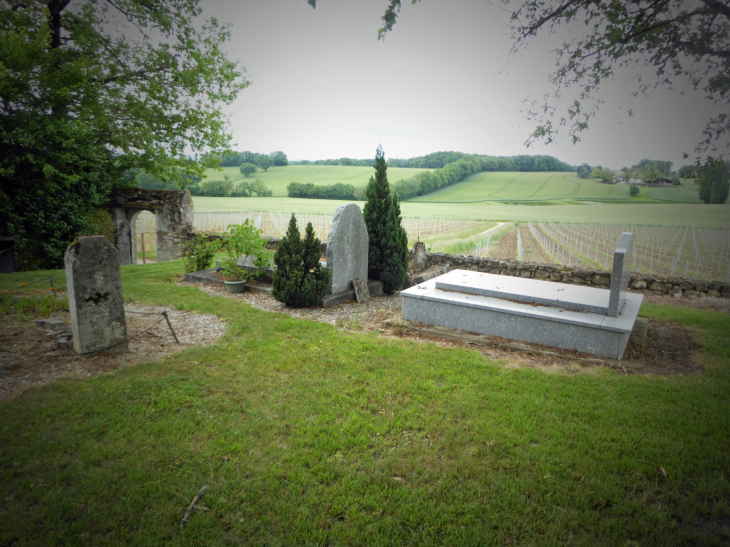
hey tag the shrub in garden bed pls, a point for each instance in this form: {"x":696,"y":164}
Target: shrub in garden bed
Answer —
{"x":300,"y":281}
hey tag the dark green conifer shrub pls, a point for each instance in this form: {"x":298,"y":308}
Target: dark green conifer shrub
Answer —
{"x":299,"y":281}
{"x":395,"y":253}
{"x":388,"y":252}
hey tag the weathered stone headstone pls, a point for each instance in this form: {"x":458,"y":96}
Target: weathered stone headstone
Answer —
{"x":362,"y":292}
{"x":347,"y":247}
{"x":95,"y":295}
{"x":419,"y":257}
{"x":622,"y":259}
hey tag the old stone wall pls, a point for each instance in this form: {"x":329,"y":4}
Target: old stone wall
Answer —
{"x":643,"y":283}
{"x":173,"y":210}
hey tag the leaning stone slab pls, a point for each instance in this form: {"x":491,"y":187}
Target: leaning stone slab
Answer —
{"x":530,"y":291}
{"x":95,"y":295}
{"x":375,"y":288}
{"x":623,"y":256}
{"x":347,"y":247}
{"x":361,"y":289}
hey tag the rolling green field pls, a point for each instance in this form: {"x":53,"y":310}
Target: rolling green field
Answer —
{"x":668,"y":214}
{"x":510,"y":186}
{"x":277,"y":178}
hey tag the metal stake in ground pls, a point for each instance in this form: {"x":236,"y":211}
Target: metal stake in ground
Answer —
{"x":170,"y":325}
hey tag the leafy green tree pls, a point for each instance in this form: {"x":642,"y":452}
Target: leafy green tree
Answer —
{"x":633,"y":190}
{"x":247,"y":169}
{"x":584,"y":171}
{"x":387,"y":240}
{"x":300,"y":280}
{"x":679,"y":41}
{"x":713,"y":178}
{"x":260,"y":189}
{"x":604,"y":175}
{"x":243,"y":190}
{"x":91,"y":89}
{"x":650,"y":173}
{"x":264,"y":162}
{"x":279,"y":158}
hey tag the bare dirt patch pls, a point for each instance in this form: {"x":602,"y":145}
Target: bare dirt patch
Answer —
{"x":506,"y":247}
{"x":29,"y":357}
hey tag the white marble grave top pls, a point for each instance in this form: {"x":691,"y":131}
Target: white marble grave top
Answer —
{"x":530,"y":291}
{"x":623,"y":323}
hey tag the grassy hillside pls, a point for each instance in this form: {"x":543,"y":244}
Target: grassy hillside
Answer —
{"x":663,"y":214}
{"x":510,"y":186}
{"x":277,"y":178}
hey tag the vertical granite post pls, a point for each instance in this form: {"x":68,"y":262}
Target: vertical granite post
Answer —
{"x":347,"y":247}
{"x":419,"y":257}
{"x":622,"y":258}
{"x":95,"y":295}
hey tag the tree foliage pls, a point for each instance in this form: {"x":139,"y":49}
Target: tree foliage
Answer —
{"x":713,"y":178}
{"x":300,"y":280}
{"x":388,"y":246}
{"x":247,"y":169}
{"x":264,"y":162}
{"x":91,"y":89}
{"x":678,"y":41}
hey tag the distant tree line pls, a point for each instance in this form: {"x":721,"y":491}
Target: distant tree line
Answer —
{"x":429,"y":181}
{"x":332,"y":191}
{"x":236,"y":159}
{"x":345,"y":162}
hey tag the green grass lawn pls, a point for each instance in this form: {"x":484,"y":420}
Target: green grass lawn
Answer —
{"x":277,"y":178}
{"x":310,"y":435}
{"x":661,"y":214}
{"x":537,"y":187}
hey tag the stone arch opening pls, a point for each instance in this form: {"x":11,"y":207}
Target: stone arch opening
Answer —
{"x":144,"y":236}
{"x":173,"y":210}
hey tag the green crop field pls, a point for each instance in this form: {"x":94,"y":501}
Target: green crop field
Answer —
{"x":277,"y":178}
{"x":511,"y":186}
{"x":658,"y":214}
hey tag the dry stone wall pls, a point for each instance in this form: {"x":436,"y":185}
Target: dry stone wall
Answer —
{"x":643,"y":283}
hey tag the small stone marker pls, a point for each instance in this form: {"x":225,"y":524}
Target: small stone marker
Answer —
{"x":362,"y":292}
{"x":95,"y":295}
{"x":419,"y":256}
{"x":49,"y":322}
{"x":622,"y":259}
{"x":347,"y":247}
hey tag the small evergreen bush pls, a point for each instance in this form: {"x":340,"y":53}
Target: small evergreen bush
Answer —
{"x":299,"y":281}
{"x":633,"y":190}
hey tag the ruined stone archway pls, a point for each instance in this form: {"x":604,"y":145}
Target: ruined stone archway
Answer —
{"x":173,"y":210}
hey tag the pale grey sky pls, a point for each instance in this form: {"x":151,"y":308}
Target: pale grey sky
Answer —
{"x":324,"y":87}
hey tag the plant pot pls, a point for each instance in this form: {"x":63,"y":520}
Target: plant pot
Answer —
{"x":235,"y":287}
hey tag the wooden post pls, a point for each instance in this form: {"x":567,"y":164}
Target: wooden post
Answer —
{"x":144,"y":260}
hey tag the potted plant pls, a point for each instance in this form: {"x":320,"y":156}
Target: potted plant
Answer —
{"x":241,"y":241}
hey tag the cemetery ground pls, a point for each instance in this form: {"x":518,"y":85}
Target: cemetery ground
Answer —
{"x":306,"y":433}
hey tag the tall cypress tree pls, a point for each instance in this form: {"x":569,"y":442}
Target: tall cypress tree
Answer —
{"x":388,"y":252}
{"x":375,"y":213}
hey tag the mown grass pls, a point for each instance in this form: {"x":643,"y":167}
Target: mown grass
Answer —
{"x":306,"y":434}
{"x":538,"y":187}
